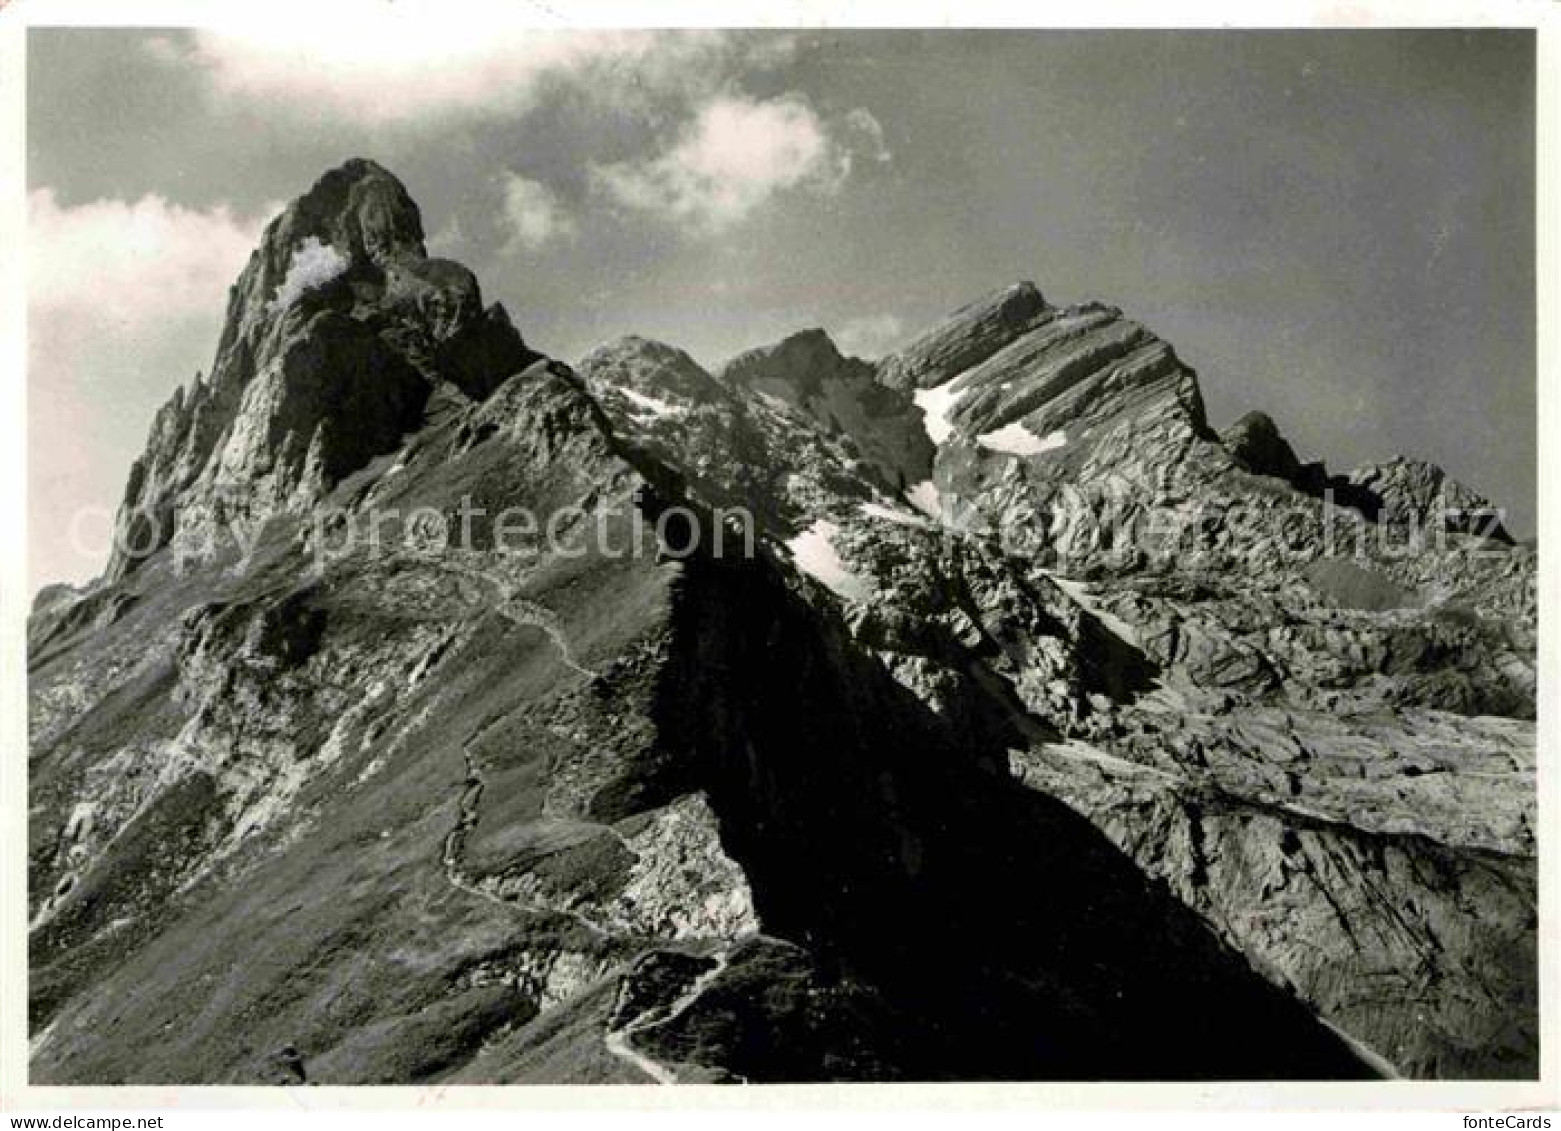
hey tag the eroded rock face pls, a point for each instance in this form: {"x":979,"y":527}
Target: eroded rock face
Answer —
{"x":1256,"y":443}
{"x":967,"y":337}
{"x":922,"y":775}
{"x":338,"y":332}
{"x":843,"y":397}
{"x":1420,"y":494}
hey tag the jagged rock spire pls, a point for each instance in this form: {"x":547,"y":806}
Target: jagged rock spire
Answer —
{"x":338,"y":331}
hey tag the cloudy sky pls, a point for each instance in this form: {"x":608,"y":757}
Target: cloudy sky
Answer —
{"x":1336,"y":227}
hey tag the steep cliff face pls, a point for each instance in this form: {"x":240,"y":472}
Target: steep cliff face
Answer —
{"x":981,"y":714}
{"x":966,"y":338}
{"x":1414,"y":492}
{"x":339,"y":333}
{"x":841,"y":396}
{"x":1259,"y":447}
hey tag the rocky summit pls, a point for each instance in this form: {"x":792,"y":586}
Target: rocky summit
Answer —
{"x":976,"y":713}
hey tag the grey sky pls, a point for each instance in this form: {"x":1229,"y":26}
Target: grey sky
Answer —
{"x":1337,"y":227}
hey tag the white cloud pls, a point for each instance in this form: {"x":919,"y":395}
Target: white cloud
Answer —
{"x":125,"y":301}
{"x":734,"y":156}
{"x":132,"y":265}
{"x":421,"y":63}
{"x":448,"y":240}
{"x":532,"y":214}
{"x":373,"y":63}
{"x":313,"y":264}
{"x":870,"y":337}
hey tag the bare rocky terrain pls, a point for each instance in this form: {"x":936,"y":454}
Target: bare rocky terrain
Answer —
{"x":1045,"y":732}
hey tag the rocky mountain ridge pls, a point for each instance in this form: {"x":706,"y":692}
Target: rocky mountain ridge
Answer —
{"x":1045,"y":733}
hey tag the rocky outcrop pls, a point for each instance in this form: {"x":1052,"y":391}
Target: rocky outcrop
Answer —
{"x":52,"y":598}
{"x":730,"y":445}
{"x":1067,"y":438}
{"x":1402,"y":492}
{"x":1412,"y":492}
{"x":338,"y":333}
{"x":1256,"y":443}
{"x":1000,"y":719}
{"x":967,"y":337}
{"x":842,"y":396}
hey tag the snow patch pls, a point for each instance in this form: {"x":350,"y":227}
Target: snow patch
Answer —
{"x":893,"y":514}
{"x":925,"y":497}
{"x":1017,"y":440}
{"x":938,"y":402}
{"x":653,"y":405}
{"x":778,"y":403}
{"x":814,"y":553}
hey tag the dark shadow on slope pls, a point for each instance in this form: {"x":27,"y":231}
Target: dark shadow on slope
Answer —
{"x":1111,"y":665}
{"x":1013,"y":940}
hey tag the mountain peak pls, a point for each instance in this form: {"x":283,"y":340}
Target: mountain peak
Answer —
{"x":1259,"y":446}
{"x":338,"y":331}
{"x":804,"y":359}
{"x":843,"y":396}
{"x":965,"y":338}
{"x":360,"y":208}
{"x":1417,"y":492}
{"x":650,"y":368}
